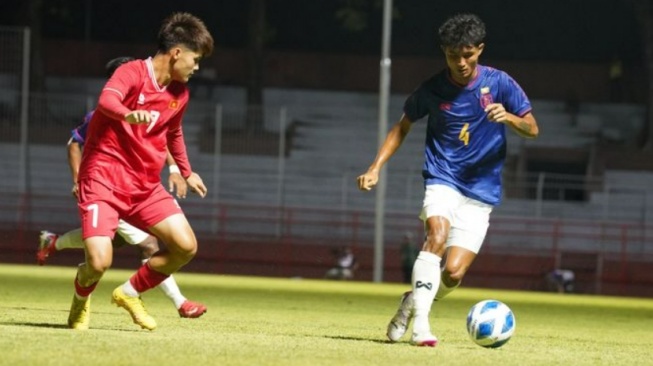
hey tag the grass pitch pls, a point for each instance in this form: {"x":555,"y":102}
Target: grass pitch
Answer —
{"x":265,"y":321}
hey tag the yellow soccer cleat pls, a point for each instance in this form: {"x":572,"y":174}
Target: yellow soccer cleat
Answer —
{"x":80,"y":313}
{"x":135,"y":307}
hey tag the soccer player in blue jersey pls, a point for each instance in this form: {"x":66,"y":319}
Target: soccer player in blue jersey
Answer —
{"x":469,"y":106}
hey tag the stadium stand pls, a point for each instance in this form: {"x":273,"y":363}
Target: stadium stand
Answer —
{"x":309,"y":197}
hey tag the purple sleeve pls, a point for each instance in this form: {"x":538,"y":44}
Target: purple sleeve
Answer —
{"x":79,"y":133}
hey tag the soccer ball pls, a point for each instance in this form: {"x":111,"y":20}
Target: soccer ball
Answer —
{"x":490,"y":323}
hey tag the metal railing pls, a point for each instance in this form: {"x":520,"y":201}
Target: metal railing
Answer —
{"x":297,"y":240}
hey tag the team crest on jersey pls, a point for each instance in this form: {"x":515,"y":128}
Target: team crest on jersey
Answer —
{"x":141,"y":99}
{"x":486,"y":97}
{"x":445,"y":106}
{"x":174,"y":104}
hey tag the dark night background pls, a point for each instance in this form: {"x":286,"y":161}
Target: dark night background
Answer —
{"x":574,"y":30}
{"x":558,"y":50}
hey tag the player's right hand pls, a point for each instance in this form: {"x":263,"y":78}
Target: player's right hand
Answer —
{"x":196,"y":184}
{"x":75,"y":191}
{"x":138,"y":117}
{"x":368,"y":180}
{"x":177,"y":184}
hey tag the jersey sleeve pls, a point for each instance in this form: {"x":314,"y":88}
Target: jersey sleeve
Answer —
{"x":78,"y":134}
{"x":514,"y":99}
{"x":124,"y":80}
{"x":415,"y":106}
{"x":176,"y":144}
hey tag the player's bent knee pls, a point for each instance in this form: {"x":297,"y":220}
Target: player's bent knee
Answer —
{"x":183,"y":250}
{"x":95,"y":270}
{"x":436,"y":236}
{"x":457,"y":277}
{"x":186,"y":242}
{"x":435,"y":244}
{"x":455,"y":273}
{"x":98,"y":262}
{"x":187,"y":253}
{"x":98,"y":265}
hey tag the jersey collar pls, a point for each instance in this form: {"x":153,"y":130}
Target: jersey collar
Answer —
{"x":150,"y":72}
{"x":472,"y":83}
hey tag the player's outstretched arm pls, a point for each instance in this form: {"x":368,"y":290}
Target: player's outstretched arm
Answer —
{"x":393,"y":140}
{"x":196,"y":184}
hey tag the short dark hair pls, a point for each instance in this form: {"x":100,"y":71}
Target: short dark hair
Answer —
{"x":462,"y":30}
{"x":113,"y":64}
{"x":185,"y":29}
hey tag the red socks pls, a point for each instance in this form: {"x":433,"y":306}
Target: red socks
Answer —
{"x":84,"y":291}
{"x":146,"y":278}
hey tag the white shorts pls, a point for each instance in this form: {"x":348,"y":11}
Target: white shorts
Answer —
{"x":468,"y":217}
{"x":131,"y":234}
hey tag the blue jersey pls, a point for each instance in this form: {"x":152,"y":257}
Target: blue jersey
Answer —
{"x":464,"y":149}
{"x":79,"y":133}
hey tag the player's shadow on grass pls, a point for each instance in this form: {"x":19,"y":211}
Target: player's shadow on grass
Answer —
{"x":382,"y":341}
{"x":64,"y":326}
{"x":49,"y":310}
{"x":39,"y":325}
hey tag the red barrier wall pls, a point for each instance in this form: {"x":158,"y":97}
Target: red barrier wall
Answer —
{"x":523,"y":271}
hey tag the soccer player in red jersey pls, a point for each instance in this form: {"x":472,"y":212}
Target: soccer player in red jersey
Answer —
{"x":139,"y":113}
{"x":49,"y":242}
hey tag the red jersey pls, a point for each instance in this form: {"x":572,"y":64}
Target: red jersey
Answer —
{"x":129,"y":157}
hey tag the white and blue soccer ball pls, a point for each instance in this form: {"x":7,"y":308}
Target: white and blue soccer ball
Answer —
{"x":490,"y":323}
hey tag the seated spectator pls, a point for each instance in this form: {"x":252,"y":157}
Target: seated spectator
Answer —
{"x":561,"y":280}
{"x":346,"y":265}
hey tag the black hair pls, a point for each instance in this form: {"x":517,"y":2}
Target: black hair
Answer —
{"x":113,"y":64}
{"x":185,"y":29}
{"x":462,"y":30}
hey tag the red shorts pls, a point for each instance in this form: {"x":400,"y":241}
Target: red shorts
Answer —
{"x":100,"y":207}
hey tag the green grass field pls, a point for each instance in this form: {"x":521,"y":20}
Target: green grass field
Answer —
{"x":265,"y":321}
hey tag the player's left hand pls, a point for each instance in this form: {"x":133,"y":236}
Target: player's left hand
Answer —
{"x":177,"y":184}
{"x":138,"y":117}
{"x":196,"y":185}
{"x":496,"y":113}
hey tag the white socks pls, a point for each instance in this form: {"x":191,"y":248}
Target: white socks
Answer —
{"x":70,"y":240}
{"x":129,"y":290}
{"x":170,"y":288}
{"x":426,"y":280}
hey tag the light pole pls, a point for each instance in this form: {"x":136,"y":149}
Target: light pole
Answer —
{"x":384,"y":97}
